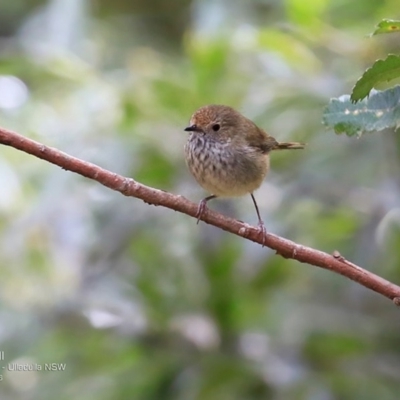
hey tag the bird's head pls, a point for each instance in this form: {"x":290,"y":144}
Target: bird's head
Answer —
{"x":215,"y":120}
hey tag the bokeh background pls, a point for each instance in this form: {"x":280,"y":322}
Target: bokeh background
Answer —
{"x":138,"y":301}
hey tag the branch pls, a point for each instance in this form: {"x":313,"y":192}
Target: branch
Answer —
{"x":129,"y":187}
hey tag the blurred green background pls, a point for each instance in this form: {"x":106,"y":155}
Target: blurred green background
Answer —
{"x":138,"y":301}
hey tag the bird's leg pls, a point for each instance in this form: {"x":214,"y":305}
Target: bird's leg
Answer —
{"x":203,"y":206}
{"x":261,"y":225}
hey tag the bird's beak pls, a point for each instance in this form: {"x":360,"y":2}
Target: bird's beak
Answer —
{"x":192,"y":128}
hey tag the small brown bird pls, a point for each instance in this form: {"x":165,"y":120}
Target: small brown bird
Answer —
{"x":228,"y":154}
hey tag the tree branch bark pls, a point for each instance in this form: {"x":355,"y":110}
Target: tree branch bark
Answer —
{"x":129,"y":187}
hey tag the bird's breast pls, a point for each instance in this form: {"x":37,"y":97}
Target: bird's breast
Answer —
{"x":224,"y":168}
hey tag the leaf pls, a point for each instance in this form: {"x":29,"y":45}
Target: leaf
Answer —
{"x":380,"y":111}
{"x":381,"y":71}
{"x":387,"y":26}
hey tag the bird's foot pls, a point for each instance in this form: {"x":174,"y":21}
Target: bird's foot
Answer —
{"x":201,"y":209}
{"x":263,"y":231}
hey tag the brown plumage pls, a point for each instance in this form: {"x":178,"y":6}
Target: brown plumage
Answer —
{"x":228,"y":154}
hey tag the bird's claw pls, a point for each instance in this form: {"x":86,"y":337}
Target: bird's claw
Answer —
{"x":263,"y":231}
{"x":201,"y":210}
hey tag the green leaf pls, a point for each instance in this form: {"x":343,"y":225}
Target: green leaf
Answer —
{"x":380,"y":111}
{"x":387,"y":26}
{"x":381,"y":71}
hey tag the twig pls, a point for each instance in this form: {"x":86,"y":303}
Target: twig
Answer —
{"x":129,"y":187}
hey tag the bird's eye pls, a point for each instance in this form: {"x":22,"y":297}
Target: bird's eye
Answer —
{"x":216,"y":127}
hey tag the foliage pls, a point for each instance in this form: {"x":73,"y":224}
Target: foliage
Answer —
{"x":381,"y":71}
{"x":387,"y":26}
{"x":380,"y":111}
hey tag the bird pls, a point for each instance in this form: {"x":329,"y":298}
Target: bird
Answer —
{"x":228,"y":155}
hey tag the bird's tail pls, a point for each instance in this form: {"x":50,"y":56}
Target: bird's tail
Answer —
{"x":289,"y":146}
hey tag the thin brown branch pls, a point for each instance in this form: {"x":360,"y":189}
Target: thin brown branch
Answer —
{"x":129,"y":187}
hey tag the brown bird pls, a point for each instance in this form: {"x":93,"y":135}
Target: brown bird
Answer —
{"x":228,"y":154}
